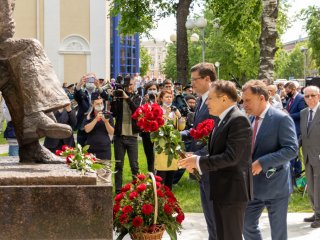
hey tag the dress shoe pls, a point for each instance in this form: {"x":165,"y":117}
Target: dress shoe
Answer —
{"x":38,"y":125}
{"x":316,"y":224}
{"x":310,"y":219}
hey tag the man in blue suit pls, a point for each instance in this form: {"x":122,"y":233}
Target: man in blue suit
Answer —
{"x":274,"y":144}
{"x":202,"y":75}
{"x":294,"y":105}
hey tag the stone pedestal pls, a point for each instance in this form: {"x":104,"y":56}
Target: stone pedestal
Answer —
{"x":51,"y":201}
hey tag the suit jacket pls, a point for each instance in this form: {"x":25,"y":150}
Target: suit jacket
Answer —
{"x":199,"y":116}
{"x":229,"y":159}
{"x":295,"y":109}
{"x":310,"y":139}
{"x":276,"y":144}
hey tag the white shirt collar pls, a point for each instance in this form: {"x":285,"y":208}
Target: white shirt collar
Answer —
{"x":204,"y":98}
{"x":263,"y":114}
{"x":295,"y":95}
{"x":315,"y":108}
{"x":224,"y":113}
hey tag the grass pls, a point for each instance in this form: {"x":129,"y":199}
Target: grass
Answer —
{"x":188,"y":194}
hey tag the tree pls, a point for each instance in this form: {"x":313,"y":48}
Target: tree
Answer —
{"x":140,"y":17}
{"x":312,"y":16}
{"x":145,"y":60}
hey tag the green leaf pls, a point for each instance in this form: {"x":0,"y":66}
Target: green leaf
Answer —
{"x":96,"y":166}
{"x":85,"y":148}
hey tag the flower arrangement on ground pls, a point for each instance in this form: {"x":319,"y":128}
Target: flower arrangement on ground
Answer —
{"x":164,"y":135}
{"x":202,"y":131}
{"x":79,"y":158}
{"x":134,"y":208}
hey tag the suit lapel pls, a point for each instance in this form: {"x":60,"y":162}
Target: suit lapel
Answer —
{"x":263,"y":128}
{"x":316,"y":118}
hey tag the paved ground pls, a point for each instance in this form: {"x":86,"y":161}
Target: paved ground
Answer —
{"x":195,"y":227}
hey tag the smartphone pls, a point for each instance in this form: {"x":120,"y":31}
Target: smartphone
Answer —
{"x":90,"y":80}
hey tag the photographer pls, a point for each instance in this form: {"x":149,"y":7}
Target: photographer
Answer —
{"x":151,"y":96}
{"x":124,"y":103}
{"x":87,"y":85}
{"x":99,"y":125}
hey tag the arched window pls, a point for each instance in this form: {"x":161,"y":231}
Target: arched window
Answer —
{"x":74,"y":44}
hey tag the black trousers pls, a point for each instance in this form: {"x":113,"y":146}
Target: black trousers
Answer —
{"x":148,"y":150}
{"x":123,"y":144}
{"x":229,"y":220}
{"x":167,"y":177}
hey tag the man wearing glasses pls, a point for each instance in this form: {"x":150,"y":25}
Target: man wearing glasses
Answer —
{"x":310,"y":135}
{"x":274,"y":144}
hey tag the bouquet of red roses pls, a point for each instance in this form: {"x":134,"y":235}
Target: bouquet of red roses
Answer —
{"x":78,"y":158}
{"x":149,"y":116}
{"x":134,"y":209}
{"x":203,"y":130}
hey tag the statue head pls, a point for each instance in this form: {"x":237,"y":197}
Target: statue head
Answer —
{"x":6,"y":19}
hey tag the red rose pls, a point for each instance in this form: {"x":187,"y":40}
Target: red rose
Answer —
{"x":116,"y":208}
{"x":64,"y":147}
{"x":123,"y":218}
{"x":180,"y":217}
{"x":58,"y":152}
{"x":127,"y":209}
{"x":140,"y":123}
{"x":158,"y":184}
{"x":69,"y":158}
{"x":134,"y":181}
{"x":166,"y":188}
{"x":160,"y":121}
{"x":133,"y":195}
{"x":157,"y":112}
{"x":126,"y":187}
{"x":142,"y":187}
{"x":141,"y":176}
{"x":137,"y":221}
{"x":172,"y":201}
{"x":149,"y":116}
{"x":147,"y":209}
{"x":160,"y":193}
{"x":119,"y":197}
{"x":146,"y":126}
{"x":154,"y":126}
{"x":158,"y":179}
{"x":146,"y":108}
{"x":167,"y":209}
{"x":169,"y":194}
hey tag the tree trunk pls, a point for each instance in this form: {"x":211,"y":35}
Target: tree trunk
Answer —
{"x":268,"y":39}
{"x":182,"y":41}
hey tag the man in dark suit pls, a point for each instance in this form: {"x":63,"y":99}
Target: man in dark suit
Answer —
{"x":274,"y":143}
{"x":228,"y":162}
{"x":310,"y":135}
{"x":295,"y":103}
{"x":202,"y":75}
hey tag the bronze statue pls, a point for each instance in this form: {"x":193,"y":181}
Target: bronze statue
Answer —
{"x":31,"y":90}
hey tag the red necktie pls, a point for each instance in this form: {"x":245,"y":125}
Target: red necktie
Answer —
{"x":255,"y":129}
{"x":290,"y":103}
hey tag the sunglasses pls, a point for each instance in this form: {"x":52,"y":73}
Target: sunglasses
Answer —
{"x":310,"y":96}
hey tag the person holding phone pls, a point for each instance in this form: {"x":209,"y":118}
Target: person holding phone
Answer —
{"x":88,"y":85}
{"x":99,"y":125}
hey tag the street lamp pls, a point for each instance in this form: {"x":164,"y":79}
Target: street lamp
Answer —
{"x":200,"y":23}
{"x":304,"y":51}
{"x":217,"y":64}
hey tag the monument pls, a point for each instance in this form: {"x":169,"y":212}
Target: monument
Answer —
{"x":42,"y":201}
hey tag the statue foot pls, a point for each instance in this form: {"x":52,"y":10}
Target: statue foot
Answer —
{"x":36,"y":153}
{"x":38,"y":125}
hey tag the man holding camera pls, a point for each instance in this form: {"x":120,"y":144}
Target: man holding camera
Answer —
{"x":87,"y":85}
{"x":124,"y":103}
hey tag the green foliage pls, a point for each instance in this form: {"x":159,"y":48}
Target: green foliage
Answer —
{"x":312,"y":17}
{"x":170,"y":64}
{"x":289,"y":64}
{"x":145,"y":60}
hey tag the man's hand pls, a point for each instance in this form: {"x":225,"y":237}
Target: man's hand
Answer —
{"x":99,"y":116}
{"x":188,"y":163}
{"x":256,"y":167}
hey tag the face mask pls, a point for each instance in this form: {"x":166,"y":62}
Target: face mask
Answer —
{"x":90,"y":86}
{"x":290,"y":94}
{"x":152,"y":92}
{"x":167,"y":105}
{"x":99,"y":108}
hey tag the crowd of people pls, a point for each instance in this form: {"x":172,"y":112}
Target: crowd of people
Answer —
{"x":250,"y":163}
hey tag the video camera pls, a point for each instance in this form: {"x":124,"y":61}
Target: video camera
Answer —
{"x":121,"y":84}
{"x":182,"y":105}
{"x":107,"y":114}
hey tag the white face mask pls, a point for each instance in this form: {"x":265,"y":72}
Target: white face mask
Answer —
{"x":90,"y":86}
{"x":167,"y":105}
{"x":152,"y":92}
{"x":99,"y":108}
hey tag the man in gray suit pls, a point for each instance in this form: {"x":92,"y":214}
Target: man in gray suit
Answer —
{"x":310,"y":135}
{"x":274,"y":144}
